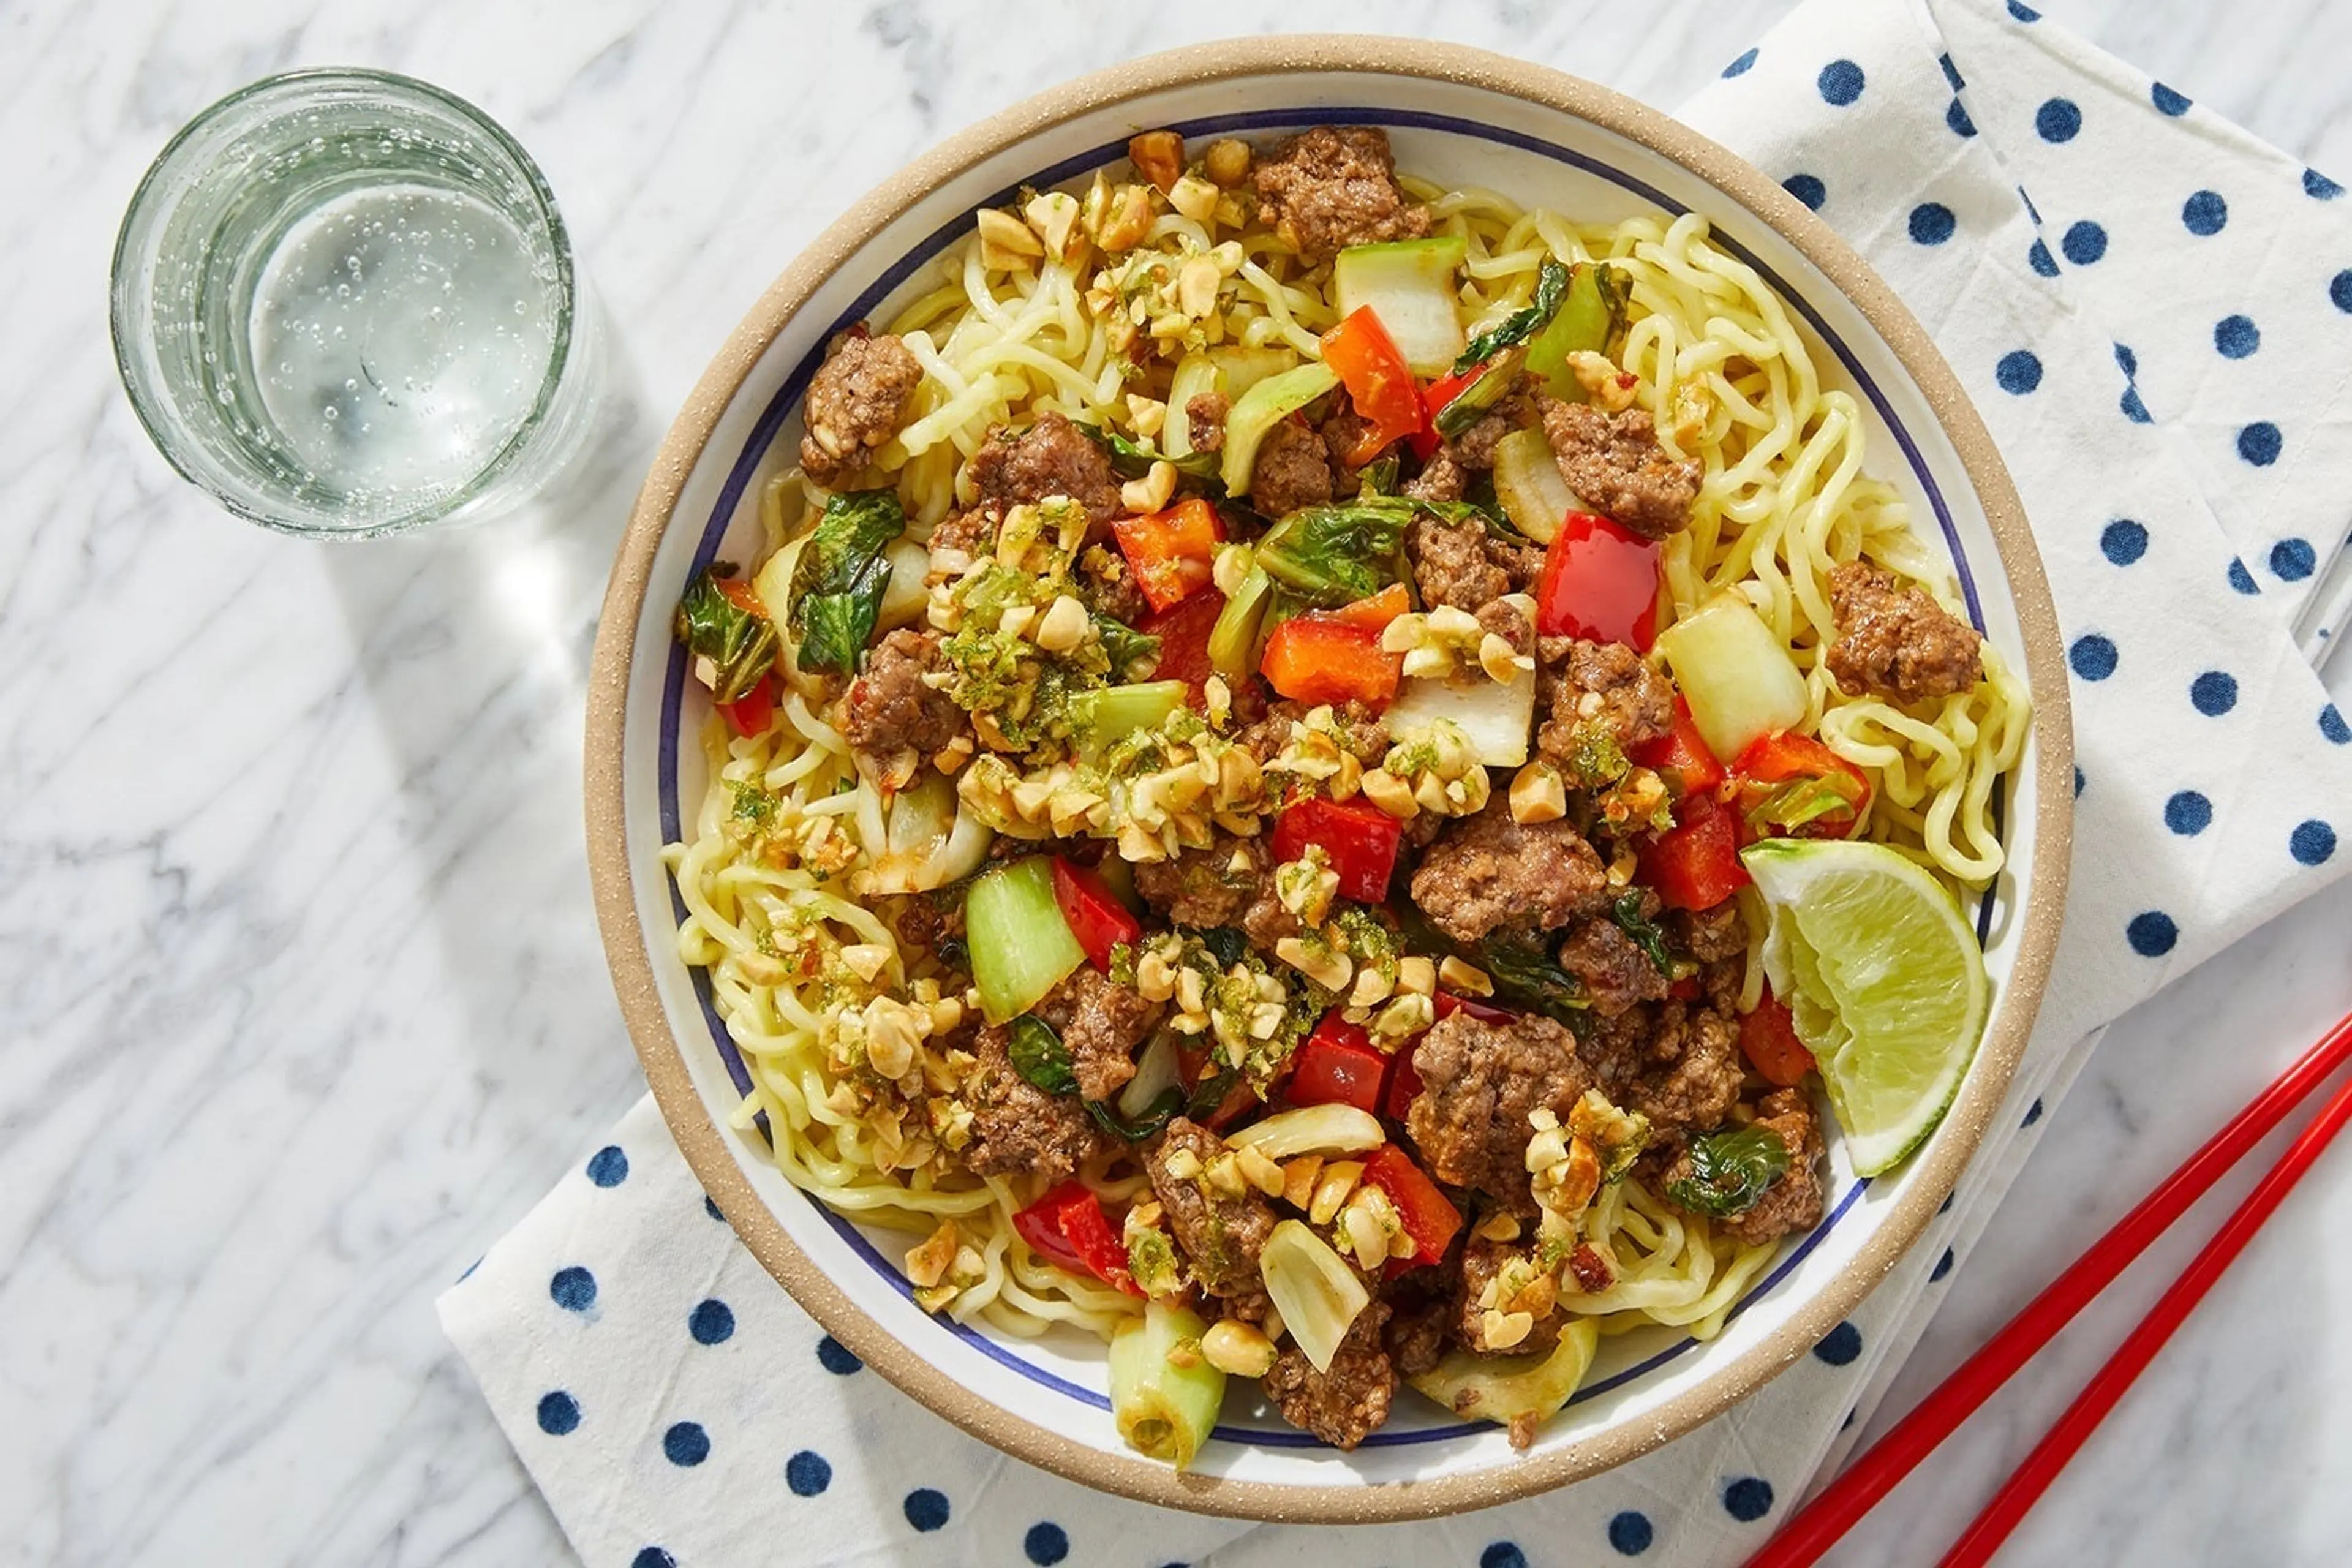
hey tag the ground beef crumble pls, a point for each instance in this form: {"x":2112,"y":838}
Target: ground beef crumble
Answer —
{"x":1052,"y":457}
{"x":891,"y":709}
{"x":1616,"y":466}
{"x":1479,"y":1081}
{"x":1348,"y":1402}
{"x":1895,"y":641}
{"x":1335,"y":186}
{"x":855,"y":402}
{"x":1489,"y":871}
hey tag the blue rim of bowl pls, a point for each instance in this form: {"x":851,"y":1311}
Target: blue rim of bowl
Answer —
{"x":778,"y":411}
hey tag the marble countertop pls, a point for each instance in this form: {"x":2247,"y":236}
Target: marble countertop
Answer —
{"x":301,"y":998}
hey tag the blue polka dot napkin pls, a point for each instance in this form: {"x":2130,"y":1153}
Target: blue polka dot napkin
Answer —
{"x":2153,"y":312}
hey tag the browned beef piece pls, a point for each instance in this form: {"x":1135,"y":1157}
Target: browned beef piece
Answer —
{"x":1052,"y":457}
{"x":1204,"y":419}
{"x":970,"y":534}
{"x":1342,"y":429}
{"x":855,"y":402}
{"x":1509,"y":623}
{"x":1220,"y":1237}
{"x":1616,"y":973}
{"x":1461,"y":565}
{"x":1479,"y":1081}
{"x":1677,"y":1063}
{"x":924,"y":920}
{"x":1100,"y":1023}
{"x":1202,"y":887}
{"x":1709,"y":935}
{"x":890,"y":708}
{"x":1441,"y":479}
{"x":1335,"y":186}
{"x":1291,"y":471}
{"x":1109,"y":588}
{"x":1017,"y":1128}
{"x":1417,"y":1337}
{"x":1895,"y":641}
{"x":1475,"y":449}
{"x":1481,"y":1261}
{"x":1616,"y":466}
{"x":1793,"y":1203}
{"x":1609,"y":685}
{"x":1346,"y":1404}
{"x":1487,"y":871}
{"x":1361,"y":729}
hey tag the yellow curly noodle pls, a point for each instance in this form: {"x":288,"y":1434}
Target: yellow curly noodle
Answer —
{"x":1729,"y":381}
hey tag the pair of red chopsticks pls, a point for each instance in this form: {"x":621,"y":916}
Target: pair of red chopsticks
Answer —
{"x":1815,"y":1528}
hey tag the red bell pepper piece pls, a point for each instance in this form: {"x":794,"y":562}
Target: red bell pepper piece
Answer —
{"x":1375,"y":611}
{"x":1338,"y":1065}
{"x":1369,"y":365}
{"x":1184,"y":634}
{"x":1600,"y":582}
{"x":1097,"y":917}
{"x":1680,"y":756}
{"x":1696,"y":865}
{"x":751,"y":713}
{"x":1792,"y":783}
{"x":1449,"y":1003}
{"x":1173,"y":552}
{"x":1405,"y":1080}
{"x":1429,"y":1220}
{"x":1195,"y":1062}
{"x":1066,"y":1228}
{"x":1314,"y":658}
{"x":1440,"y":393}
{"x":1357,"y":837}
{"x":743,"y":596}
{"x":1768,"y":1037}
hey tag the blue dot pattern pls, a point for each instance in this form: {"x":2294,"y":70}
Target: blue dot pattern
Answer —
{"x":2332,"y":725}
{"x":711,"y":1322}
{"x":2214,"y":694}
{"x":926,"y":1510}
{"x":686,"y":1444}
{"x":2134,"y":409}
{"x":1046,"y":1544}
{"x":559,"y":1413}
{"x":1951,"y":72}
{"x":2188,"y":813}
{"x":1741,"y":66}
{"x":2311,"y":843}
{"x":2339,"y":290}
{"x":1749,"y":1499}
{"x":2235,"y":337}
{"x":1840,"y":82}
{"x":2320,"y":187}
{"x":2024,"y":12}
{"x":1502,"y":1554}
{"x":608,"y":1167}
{"x":2259,"y":443}
{"x":2032,"y":1114}
{"x":573,"y":1290}
{"x":711,"y":1208}
{"x":2126,"y":361}
{"x":2167,"y":100}
{"x":835,"y":1357}
{"x":2078,"y":780}
{"x":808,"y":1473}
{"x":2093,"y":656}
{"x":2204,"y":213}
{"x":2122,"y":542}
{"x":1808,"y":189}
{"x":1943,"y":1267}
{"x":1932,"y":223}
{"x":2241,"y":579}
{"x":2084,"y":243}
{"x":1957,"y":117}
{"x":2292,"y":560}
{"x":1630,"y":1534}
{"x":2019,"y":372}
{"x":2152,"y":933}
{"x":1840,"y":1346}
{"x":2058,"y":121}
{"x":2038,"y":257}
{"x":652,"y":1557}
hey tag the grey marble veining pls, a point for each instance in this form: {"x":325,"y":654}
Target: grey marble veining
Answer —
{"x":302,"y":998}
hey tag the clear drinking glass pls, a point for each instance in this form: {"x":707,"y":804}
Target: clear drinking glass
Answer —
{"x":344,"y":303}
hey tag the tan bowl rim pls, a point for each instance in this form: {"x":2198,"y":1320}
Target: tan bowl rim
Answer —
{"x":626,"y":943}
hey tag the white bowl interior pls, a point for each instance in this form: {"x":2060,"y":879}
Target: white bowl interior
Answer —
{"x":1458,"y":134}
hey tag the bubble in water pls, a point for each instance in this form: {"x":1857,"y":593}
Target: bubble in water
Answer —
{"x":331,"y":411}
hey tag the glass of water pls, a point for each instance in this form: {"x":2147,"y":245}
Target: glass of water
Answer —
{"x":345,"y":305}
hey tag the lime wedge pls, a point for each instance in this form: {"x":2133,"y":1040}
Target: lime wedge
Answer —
{"x":1883,"y":979}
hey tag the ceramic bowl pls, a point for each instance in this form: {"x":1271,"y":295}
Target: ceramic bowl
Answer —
{"x":1461,"y":118}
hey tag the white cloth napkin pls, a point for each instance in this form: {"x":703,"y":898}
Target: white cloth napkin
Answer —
{"x":2153,"y":311}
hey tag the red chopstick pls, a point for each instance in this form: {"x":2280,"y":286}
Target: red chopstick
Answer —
{"x":1815,"y":1528}
{"x":2083,"y":1417}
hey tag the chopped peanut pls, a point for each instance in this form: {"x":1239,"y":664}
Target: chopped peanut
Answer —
{"x":1239,"y":1349}
{"x":1298,"y":1180}
{"x":1158,"y":156}
{"x":1227,"y":162}
{"x":1466,"y":977}
{"x":928,"y":1263}
{"x":1338,"y":1179}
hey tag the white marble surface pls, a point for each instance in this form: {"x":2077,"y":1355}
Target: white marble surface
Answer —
{"x":300,"y":1002}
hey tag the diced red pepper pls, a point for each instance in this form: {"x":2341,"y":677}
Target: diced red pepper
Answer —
{"x":1773,"y":768}
{"x":1067,"y":1228}
{"x":1429,"y":1218}
{"x":1681,"y":755}
{"x":1369,"y":365}
{"x":1695,"y":864}
{"x":1405,"y":1080}
{"x":742,"y":595}
{"x":1184,"y":634}
{"x":1768,"y":1037}
{"x":751,"y":713}
{"x":1433,"y":399}
{"x":1358,"y":837}
{"x":1316,"y":659}
{"x":1375,"y":611}
{"x":1173,"y":552}
{"x":1097,"y":917}
{"x":1195,"y":1063}
{"x":1600,"y":582}
{"x":1338,"y":1065}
